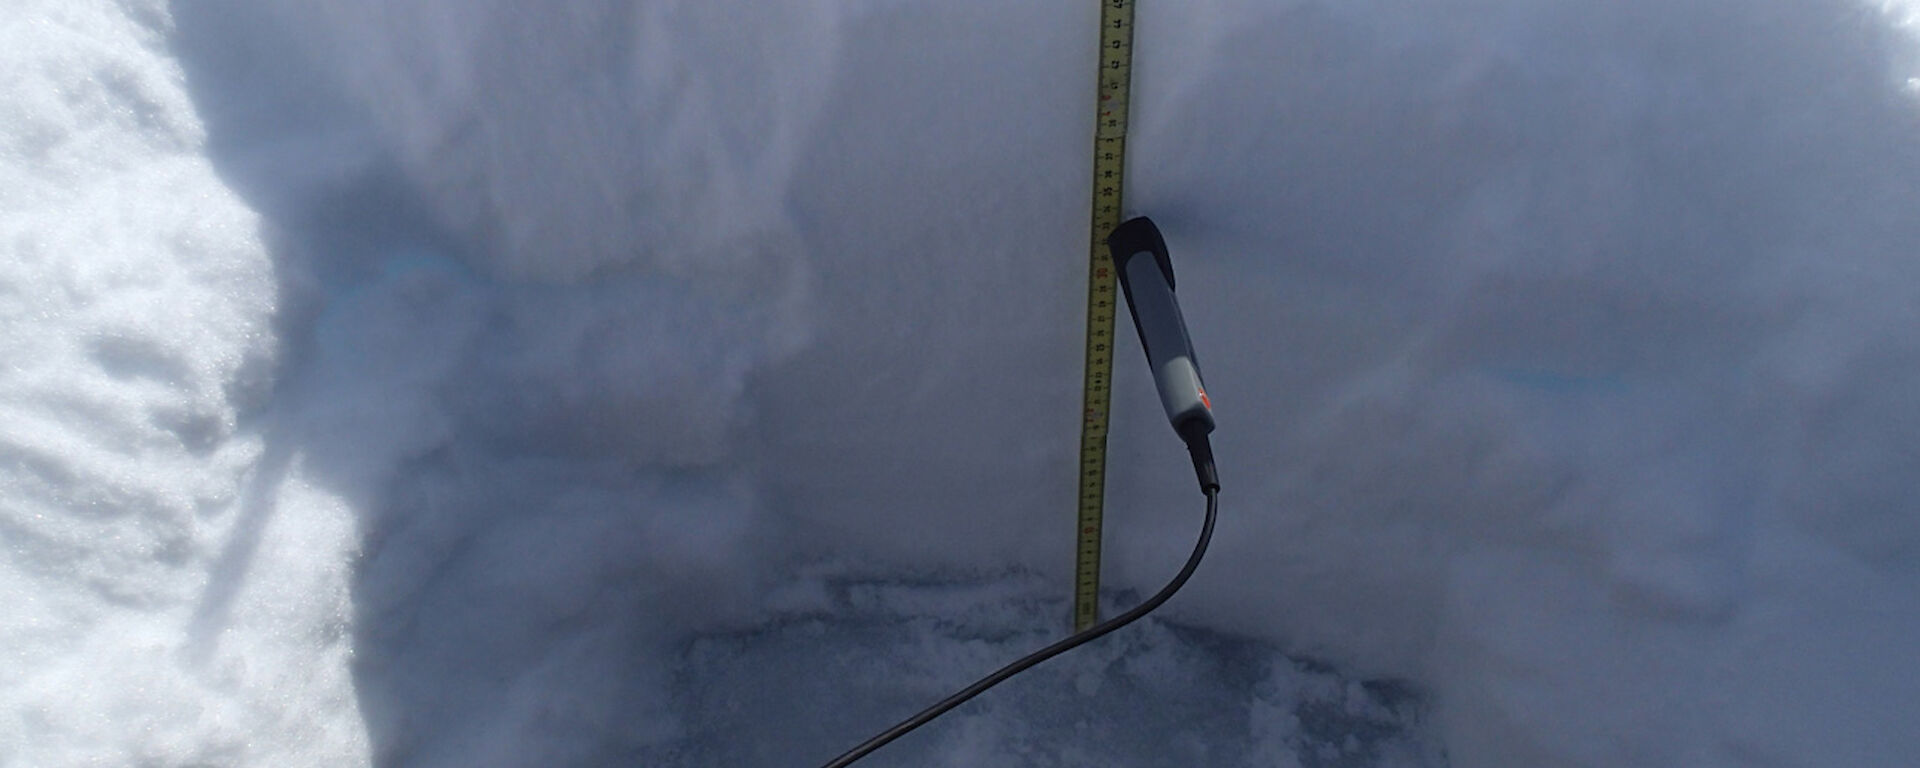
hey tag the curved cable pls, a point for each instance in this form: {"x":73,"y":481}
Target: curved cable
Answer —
{"x":1069,"y":643}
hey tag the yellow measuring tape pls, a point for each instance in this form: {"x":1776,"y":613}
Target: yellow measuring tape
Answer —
{"x":1109,"y":172}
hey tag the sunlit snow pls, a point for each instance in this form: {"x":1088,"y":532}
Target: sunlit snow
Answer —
{"x":484,"y":383}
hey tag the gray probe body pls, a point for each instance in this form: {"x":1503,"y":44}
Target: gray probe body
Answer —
{"x":1146,"y":275}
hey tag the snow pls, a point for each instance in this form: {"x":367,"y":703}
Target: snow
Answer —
{"x":430,"y":383}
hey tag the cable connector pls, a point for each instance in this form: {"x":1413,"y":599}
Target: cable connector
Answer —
{"x":1194,"y":432}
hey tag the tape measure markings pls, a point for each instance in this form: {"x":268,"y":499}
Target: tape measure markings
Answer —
{"x":1109,"y":176}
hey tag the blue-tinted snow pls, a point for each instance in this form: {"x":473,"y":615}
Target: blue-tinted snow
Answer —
{"x":440,"y":383}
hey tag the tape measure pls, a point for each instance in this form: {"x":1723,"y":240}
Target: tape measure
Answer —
{"x":1109,"y":174}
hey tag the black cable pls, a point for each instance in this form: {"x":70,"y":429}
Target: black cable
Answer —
{"x":1202,"y":452}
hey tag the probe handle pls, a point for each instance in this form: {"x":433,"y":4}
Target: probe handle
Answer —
{"x":1146,"y":275}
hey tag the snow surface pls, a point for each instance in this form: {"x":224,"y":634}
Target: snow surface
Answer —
{"x":438,"y":383}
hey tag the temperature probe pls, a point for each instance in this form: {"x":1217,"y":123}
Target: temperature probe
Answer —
{"x":1146,"y":274}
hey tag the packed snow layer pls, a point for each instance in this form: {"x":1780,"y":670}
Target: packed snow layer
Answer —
{"x":581,"y":385}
